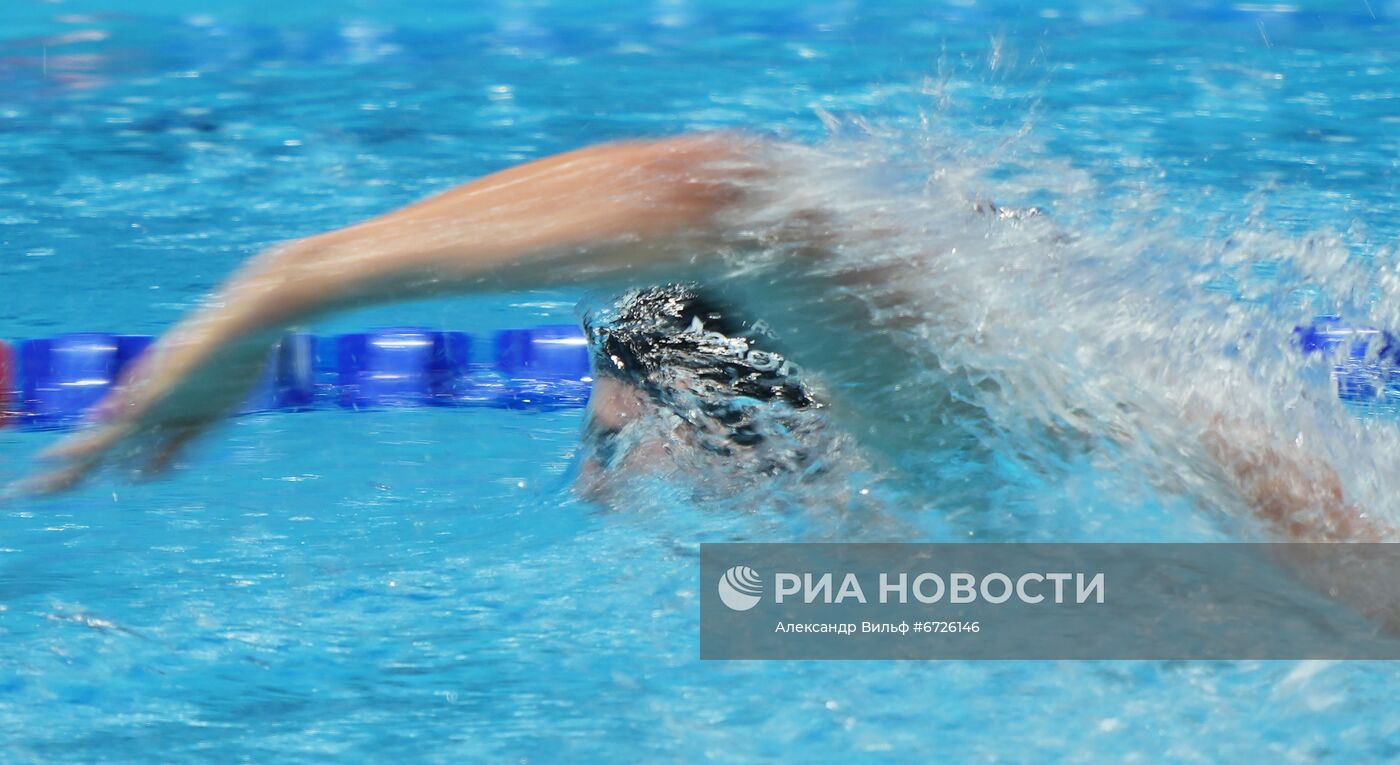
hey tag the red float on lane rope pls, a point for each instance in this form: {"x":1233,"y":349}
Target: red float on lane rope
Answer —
{"x":7,"y":383}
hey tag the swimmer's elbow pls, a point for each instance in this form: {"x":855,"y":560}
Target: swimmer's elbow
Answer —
{"x":1300,"y":497}
{"x":704,"y":174}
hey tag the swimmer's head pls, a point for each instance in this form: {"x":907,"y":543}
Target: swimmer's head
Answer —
{"x":677,"y":374}
{"x":661,"y":337}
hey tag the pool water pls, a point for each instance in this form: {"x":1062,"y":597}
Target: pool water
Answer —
{"x":420,"y":584}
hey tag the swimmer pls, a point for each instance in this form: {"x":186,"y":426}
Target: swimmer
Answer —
{"x":710,"y":210}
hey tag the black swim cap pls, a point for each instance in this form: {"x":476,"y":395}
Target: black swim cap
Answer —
{"x":693,"y":358}
{"x":648,"y":336}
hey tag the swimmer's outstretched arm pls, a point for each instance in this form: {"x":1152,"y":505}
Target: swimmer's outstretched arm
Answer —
{"x":640,"y":209}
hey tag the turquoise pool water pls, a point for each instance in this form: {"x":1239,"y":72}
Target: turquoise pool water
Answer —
{"x":419,"y":585}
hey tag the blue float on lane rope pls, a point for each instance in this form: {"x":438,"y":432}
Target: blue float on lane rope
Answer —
{"x":400,"y":367}
{"x":544,"y":367}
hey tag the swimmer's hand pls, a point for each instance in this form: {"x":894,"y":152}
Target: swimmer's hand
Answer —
{"x":173,"y":393}
{"x":636,"y":211}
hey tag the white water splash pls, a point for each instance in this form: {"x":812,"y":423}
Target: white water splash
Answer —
{"x":1097,"y":331}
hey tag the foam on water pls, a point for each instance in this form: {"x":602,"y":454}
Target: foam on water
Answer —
{"x":1088,"y":332}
